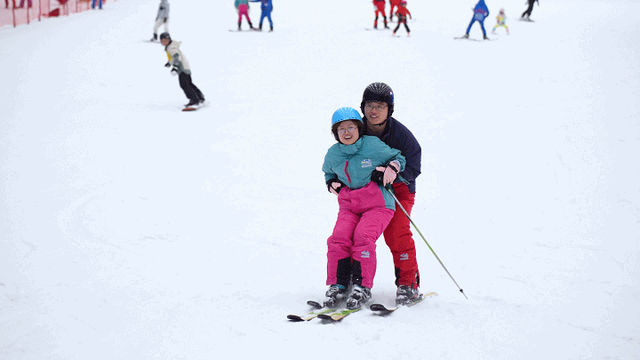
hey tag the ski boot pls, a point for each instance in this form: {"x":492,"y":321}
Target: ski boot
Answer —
{"x":465,"y":36}
{"x":192,"y":103}
{"x":334,"y":295}
{"x":359,"y":296}
{"x":485,"y":37}
{"x":154,"y":38}
{"x":406,"y":294}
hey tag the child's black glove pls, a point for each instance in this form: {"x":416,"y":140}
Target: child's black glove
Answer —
{"x":334,"y":186}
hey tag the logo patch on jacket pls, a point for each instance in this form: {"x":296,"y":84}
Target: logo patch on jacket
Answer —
{"x":366,"y":163}
{"x":364,"y":254}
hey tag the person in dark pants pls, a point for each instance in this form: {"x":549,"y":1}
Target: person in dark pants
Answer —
{"x":527,"y":13}
{"x":179,"y":65}
{"x":402,"y":17}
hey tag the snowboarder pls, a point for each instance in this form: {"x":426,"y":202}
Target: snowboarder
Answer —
{"x":356,"y":169}
{"x":266,"y":6}
{"x":161,"y":18}
{"x":242,"y":6}
{"x":480,"y":12}
{"x":378,"y":6}
{"x":179,"y":65}
{"x":402,"y":17}
{"x":501,"y":21}
{"x":377,"y":105}
{"x":527,"y":13}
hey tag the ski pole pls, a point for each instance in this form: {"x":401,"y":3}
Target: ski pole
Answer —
{"x":425,"y":241}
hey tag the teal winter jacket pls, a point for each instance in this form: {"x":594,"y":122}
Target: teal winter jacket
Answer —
{"x":353,"y":164}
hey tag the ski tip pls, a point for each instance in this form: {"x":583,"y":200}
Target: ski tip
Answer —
{"x":294,"y":318}
{"x":314,"y":304}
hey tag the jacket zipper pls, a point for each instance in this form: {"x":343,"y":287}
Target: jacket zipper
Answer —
{"x":346,"y":171}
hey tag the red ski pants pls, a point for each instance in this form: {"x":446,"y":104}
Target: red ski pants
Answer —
{"x":361,"y":219}
{"x":398,"y":237}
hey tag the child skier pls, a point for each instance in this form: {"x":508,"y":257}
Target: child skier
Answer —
{"x":179,"y":65}
{"x":501,"y":22}
{"x":379,"y":9}
{"x":161,"y":18}
{"x":480,"y":12}
{"x":357,"y":169}
{"x":402,"y":17}
{"x":242,"y":6}
{"x":266,"y":6}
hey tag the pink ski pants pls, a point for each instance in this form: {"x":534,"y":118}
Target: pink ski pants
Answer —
{"x":361,"y":220}
{"x":243,"y":9}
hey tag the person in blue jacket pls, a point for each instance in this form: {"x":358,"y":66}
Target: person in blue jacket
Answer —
{"x":480,"y":12}
{"x":266,"y":6}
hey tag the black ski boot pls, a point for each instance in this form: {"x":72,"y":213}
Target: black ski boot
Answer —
{"x":406,"y":294}
{"x":334,"y":295}
{"x":359,"y":296}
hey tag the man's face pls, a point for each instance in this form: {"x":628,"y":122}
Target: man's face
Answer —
{"x":164,"y":42}
{"x":376,"y":112}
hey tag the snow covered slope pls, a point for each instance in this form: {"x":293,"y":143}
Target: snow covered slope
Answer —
{"x":131,"y":230}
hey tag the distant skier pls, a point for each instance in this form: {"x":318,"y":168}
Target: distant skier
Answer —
{"x":179,"y":65}
{"x":480,"y":12}
{"x":356,"y":169}
{"x":93,"y":4}
{"x":527,"y":13}
{"x":393,"y":4}
{"x":161,"y":18}
{"x":266,"y":6}
{"x":402,"y":17}
{"x":242,"y":6}
{"x":501,"y":21}
{"x":379,"y":9}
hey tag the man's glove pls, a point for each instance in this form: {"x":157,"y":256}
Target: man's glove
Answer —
{"x":168,"y":64}
{"x":175,"y":70}
{"x":334,"y":186}
{"x":385,"y":175}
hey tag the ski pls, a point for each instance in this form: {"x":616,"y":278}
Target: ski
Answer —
{"x":384,"y":310}
{"x":318,"y":309}
{"x":337,"y":315}
{"x":472,"y":39}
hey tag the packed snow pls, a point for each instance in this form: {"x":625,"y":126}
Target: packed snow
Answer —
{"x":132,"y":230}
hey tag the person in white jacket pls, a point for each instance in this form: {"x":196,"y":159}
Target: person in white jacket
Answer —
{"x":161,"y":18}
{"x":179,"y":65}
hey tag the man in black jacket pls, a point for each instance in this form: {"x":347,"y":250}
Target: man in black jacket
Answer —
{"x":377,"y":106}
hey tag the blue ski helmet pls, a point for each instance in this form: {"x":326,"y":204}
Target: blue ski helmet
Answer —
{"x":343,"y":114}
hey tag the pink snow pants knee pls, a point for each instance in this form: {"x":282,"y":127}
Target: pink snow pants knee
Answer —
{"x":361,"y":220}
{"x":243,"y":9}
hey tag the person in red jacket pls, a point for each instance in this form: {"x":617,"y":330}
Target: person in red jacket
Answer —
{"x":379,"y":9}
{"x":394,"y":5}
{"x":402,"y":17}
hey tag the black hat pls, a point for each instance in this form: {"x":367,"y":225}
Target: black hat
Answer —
{"x":165,"y":35}
{"x":378,"y":91}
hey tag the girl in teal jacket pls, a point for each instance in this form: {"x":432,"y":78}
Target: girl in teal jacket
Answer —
{"x":356,"y":169}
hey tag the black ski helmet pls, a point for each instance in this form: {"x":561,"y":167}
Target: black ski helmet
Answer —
{"x":378,"y":91}
{"x":165,"y":35}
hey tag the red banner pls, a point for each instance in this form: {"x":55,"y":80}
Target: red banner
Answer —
{"x":19,"y":12}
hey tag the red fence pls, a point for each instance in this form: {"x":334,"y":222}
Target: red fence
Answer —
{"x":18,"y":12}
